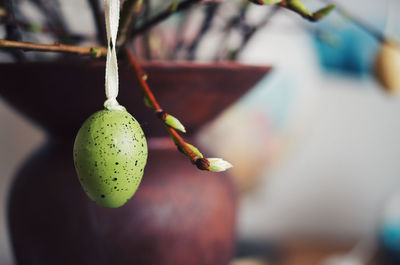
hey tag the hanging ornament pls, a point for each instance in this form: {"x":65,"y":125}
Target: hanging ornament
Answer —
{"x":110,"y":150}
{"x":387,"y":67}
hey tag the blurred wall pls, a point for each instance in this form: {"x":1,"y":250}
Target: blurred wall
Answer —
{"x":332,"y":183}
{"x":18,"y":139}
{"x":342,"y":162}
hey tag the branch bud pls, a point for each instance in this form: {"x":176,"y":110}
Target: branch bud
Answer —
{"x":173,"y":122}
{"x":138,"y":6}
{"x":147,"y":102}
{"x":174,"y":6}
{"x":321,"y":13}
{"x":95,"y":52}
{"x":35,"y":28}
{"x":3,"y":12}
{"x":300,"y":7}
{"x":218,"y":164}
{"x":195,"y":150}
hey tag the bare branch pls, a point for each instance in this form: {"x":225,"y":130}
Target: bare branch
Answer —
{"x":56,"y":47}
{"x":99,"y":21}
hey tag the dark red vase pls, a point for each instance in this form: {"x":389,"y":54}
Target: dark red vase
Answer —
{"x":179,"y":215}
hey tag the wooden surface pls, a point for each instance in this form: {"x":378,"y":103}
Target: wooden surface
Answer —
{"x":303,"y":252}
{"x":313,"y":252}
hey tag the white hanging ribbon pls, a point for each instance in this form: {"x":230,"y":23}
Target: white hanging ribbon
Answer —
{"x":111,"y":10}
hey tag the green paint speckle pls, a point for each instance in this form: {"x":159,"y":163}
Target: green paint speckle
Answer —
{"x":119,"y":131}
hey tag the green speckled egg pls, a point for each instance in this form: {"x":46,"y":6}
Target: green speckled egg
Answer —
{"x":110,"y":153}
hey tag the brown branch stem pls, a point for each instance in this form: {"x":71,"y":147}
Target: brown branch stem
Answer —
{"x":142,"y":80}
{"x":56,"y":47}
{"x":201,"y":163}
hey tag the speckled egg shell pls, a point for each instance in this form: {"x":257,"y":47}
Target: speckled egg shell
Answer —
{"x":110,"y":153}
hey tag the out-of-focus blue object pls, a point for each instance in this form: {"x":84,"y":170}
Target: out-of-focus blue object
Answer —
{"x":390,"y":243}
{"x":344,"y":47}
{"x":389,"y":232}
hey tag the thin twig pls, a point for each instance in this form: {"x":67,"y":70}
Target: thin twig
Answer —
{"x":54,"y":17}
{"x":12,"y":30}
{"x":56,"y":47}
{"x":233,"y":23}
{"x":379,"y":36}
{"x":201,"y":163}
{"x":210,"y":11}
{"x":298,"y":8}
{"x":286,"y":5}
{"x":249,"y":31}
{"x":180,"y":33}
{"x":146,"y":35}
{"x":129,"y":12}
{"x":99,"y":21}
{"x":172,"y":9}
{"x":35,"y":28}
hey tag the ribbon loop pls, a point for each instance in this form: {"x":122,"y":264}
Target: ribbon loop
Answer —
{"x":111,"y":10}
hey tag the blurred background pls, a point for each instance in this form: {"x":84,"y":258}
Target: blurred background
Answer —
{"x":315,"y":143}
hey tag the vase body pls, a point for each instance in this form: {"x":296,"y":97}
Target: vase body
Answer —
{"x":179,"y":215}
